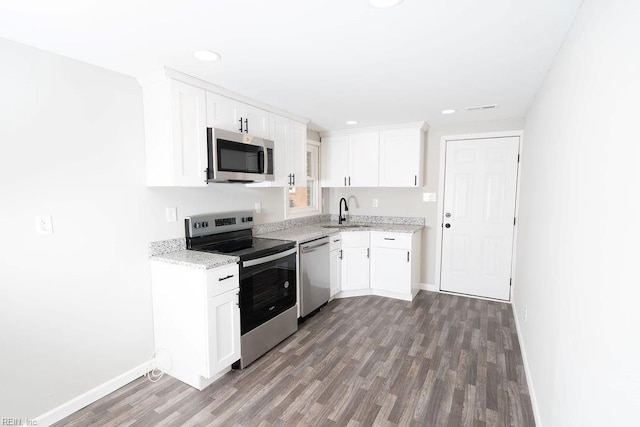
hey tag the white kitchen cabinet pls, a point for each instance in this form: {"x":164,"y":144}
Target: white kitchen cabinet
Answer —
{"x":290,"y":151}
{"x":196,"y":321}
{"x":235,"y":116}
{"x":350,"y":161}
{"x":390,"y":156}
{"x":401,"y":157}
{"x":334,"y":161}
{"x":335,"y":264}
{"x":355,"y":263}
{"x":175,"y":133}
{"x":363,"y":159}
{"x":395,"y":264}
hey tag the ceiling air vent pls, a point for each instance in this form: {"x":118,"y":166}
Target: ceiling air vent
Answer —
{"x":483,"y":107}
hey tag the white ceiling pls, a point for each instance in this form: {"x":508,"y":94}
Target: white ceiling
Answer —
{"x":328,"y":60}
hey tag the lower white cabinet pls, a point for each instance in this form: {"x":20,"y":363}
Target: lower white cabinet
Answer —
{"x":196,"y":321}
{"x":378,"y":263}
{"x":335,"y":264}
{"x":355,"y":263}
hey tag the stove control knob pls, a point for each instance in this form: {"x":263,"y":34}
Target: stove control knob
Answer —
{"x":286,"y":284}
{"x":196,"y":225}
{"x":205,"y":224}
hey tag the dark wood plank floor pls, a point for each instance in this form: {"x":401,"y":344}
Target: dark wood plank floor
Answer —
{"x":440,"y":360}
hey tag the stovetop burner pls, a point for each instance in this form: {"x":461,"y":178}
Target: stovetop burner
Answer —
{"x":246,"y":249}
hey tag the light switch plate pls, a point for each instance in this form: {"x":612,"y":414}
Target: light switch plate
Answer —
{"x":429,"y":197}
{"x":375,"y":203}
{"x":44,"y":225}
{"x":172,"y":214}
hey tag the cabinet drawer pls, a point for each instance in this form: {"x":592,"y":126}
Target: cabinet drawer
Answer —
{"x":222,"y":279}
{"x":355,"y":239}
{"x":335,"y":242}
{"x":391,"y":240}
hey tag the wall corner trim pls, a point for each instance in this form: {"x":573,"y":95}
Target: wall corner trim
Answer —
{"x":527,"y":371}
{"x":96,"y":393}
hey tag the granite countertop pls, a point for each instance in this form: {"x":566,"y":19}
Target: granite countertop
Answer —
{"x":311,"y":232}
{"x":195,"y":259}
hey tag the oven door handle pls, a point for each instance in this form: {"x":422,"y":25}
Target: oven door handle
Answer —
{"x":269,"y":258}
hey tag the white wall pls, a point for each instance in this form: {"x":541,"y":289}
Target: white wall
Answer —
{"x":408,"y":201}
{"x":75,"y":306}
{"x":579,"y":232}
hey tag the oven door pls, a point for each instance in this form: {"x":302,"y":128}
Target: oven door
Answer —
{"x":267,"y":288}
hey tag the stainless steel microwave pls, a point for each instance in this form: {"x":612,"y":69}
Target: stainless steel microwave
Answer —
{"x":238,"y":157}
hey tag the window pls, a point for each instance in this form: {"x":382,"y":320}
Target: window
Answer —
{"x":304,"y":200}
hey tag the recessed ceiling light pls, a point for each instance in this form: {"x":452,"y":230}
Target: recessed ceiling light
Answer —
{"x":383,"y":4}
{"x":352,"y":122}
{"x":206,"y":55}
{"x":449,"y":111}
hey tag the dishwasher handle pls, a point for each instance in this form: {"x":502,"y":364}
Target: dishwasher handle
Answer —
{"x":306,"y":249}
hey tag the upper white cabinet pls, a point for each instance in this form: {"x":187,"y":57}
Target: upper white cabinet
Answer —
{"x":350,"y":161}
{"x":376,"y":157}
{"x":401,"y":157}
{"x":226,"y":113}
{"x":290,"y":141}
{"x":177,"y":111}
{"x":176,"y":134}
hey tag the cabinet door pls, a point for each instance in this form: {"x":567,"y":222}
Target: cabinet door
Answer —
{"x":401,"y":157}
{"x":334,"y":161}
{"x":298,"y":144}
{"x":355,"y":268}
{"x":189,"y":134}
{"x":223,"y":112}
{"x":223,"y":332}
{"x":335,"y":271}
{"x":257,"y":121}
{"x":363,"y":159}
{"x":280,"y":134}
{"x":391,"y":270}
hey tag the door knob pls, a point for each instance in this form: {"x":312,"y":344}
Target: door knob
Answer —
{"x":447,"y":225}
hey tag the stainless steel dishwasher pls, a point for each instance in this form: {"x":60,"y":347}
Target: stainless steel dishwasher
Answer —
{"x":314,"y":275}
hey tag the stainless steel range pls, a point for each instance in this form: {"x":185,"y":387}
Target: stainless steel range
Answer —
{"x":268,"y":312}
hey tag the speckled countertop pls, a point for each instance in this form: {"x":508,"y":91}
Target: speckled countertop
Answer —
{"x":310,"y":232}
{"x":195,"y":259}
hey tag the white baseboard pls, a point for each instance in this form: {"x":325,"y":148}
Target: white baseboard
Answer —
{"x":527,"y":371}
{"x":429,"y":287}
{"x":77,"y":403}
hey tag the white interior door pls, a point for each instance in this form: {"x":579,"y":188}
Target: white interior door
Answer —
{"x":479,"y":216}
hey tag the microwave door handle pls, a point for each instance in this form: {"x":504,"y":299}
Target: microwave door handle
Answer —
{"x":269,"y":258}
{"x":262,"y":166}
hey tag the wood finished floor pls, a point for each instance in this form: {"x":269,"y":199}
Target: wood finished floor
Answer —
{"x":440,"y":360}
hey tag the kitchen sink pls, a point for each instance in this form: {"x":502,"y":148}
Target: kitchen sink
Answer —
{"x":346,"y":226}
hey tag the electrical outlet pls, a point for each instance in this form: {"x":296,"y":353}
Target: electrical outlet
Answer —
{"x":257,"y":207}
{"x":375,"y":203}
{"x":428,"y":197}
{"x":525,"y":313}
{"x":44,"y":224}
{"x":172,"y":214}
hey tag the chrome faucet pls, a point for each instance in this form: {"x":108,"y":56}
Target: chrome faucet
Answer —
{"x":346,"y":209}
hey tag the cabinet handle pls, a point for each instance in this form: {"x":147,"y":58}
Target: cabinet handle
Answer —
{"x":368,"y":252}
{"x":336,"y":240}
{"x":340,"y":254}
{"x":220,"y":279}
{"x":294,"y":179}
{"x":345,"y":181}
{"x":415,"y":180}
{"x":408,"y":256}
{"x":389,"y":238}
{"x":246,"y":125}
{"x":240,"y":124}
{"x":349,"y":181}
{"x":289,"y":180}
